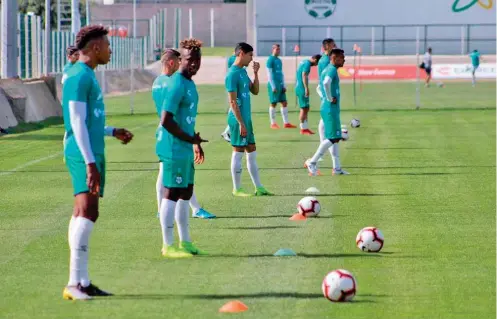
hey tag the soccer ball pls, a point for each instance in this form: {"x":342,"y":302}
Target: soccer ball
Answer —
{"x":339,"y":285}
{"x":355,"y":123}
{"x":370,"y":239}
{"x":309,"y":206}
{"x":345,"y":133}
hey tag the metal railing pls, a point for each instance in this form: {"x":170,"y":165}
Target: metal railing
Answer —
{"x":381,"y":39}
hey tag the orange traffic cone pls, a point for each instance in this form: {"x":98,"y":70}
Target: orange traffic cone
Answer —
{"x":298,"y":216}
{"x":234,"y":306}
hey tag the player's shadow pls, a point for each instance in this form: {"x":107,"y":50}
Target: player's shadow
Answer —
{"x":258,"y":227}
{"x":259,"y":295}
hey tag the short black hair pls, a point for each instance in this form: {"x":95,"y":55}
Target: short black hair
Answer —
{"x":243,"y":47}
{"x":71,"y":50}
{"x":316,"y":57}
{"x":191,"y":44}
{"x":328,"y":40}
{"x":88,"y":33}
{"x":336,"y":51}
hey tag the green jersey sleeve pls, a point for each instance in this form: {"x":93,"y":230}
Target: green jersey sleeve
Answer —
{"x":78,"y":88}
{"x":173,"y":97}
{"x":307,"y":68}
{"x":231,"y":82}
{"x":269,"y":62}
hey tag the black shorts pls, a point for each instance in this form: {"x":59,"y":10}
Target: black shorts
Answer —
{"x":428,"y":71}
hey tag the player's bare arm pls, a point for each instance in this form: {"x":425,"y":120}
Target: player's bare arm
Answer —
{"x":238,"y":115}
{"x":254,"y":86}
{"x":199,"y":154}
{"x":305,"y":80}
{"x":167,"y":121}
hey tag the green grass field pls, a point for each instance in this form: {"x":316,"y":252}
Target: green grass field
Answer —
{"x":426,"y":178}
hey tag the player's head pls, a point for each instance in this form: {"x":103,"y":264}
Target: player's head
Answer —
{"x":191,"y":56}
{"x":429,"y":50}
{"x":315,"y":59}
{"x":475,"y":51}
{"x":170,"y":60}
{"x":244,"y":52}
{"x":72,"y":54}
{"x":328,"y":44}
{"x":276,"y":49}
{"x":337,"y":57}
{"x":92,"y":41}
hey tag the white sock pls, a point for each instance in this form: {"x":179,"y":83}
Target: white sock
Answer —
{"x":236,"y":169}
{"x":272,"y":115}
{"x":325,"y":144}
{"x":321,"y":130}
{"x":166,"y":217}
{"x":284,"y":114}
{"x":181,"y":215}
{"x":226,"y":130}
{"x":70,"y":230}
{"x":194,"y":205}
{"x":253,"y":169}
{"x":159,"y":188}
{"x":335,"y":156}
{"x":304,"y":125}
{"x":473,"y":79}
{"x":78,"y":265}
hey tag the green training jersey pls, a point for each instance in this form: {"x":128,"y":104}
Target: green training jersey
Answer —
{"x":475,"y":58}
{"x":324,"y":61}
{"x":159,"y":90}
{"x":81,"y":85}
{"x":181,"y":99}
{"x":66,"y":69}
{"x":275,"y":66}
{"x":332,"y":72}
{"x":237,"y":80}
{"x":304,"y":67}
{"x":231,"y":60}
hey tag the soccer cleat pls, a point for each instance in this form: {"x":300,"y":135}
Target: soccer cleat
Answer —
{"x":175,"y":253}
{"x":312,"y":168}
{"x":93,"y":290}
{"x":203,"y":214}
{"x":306,"y":132}
{"x":261,"y":191}
{"x":340,"y":172}
{"x":191,"y":248}
{"x":289,"y":125}
{"x":241,"y":193}
{"x":226,"y":136}
{"x":74,"y":293}
{"x":275,"y":126}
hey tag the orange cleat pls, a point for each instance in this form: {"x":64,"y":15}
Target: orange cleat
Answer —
{"x":289,"y":125}
{"x":306,"y":132}
{"x":275,"y":126}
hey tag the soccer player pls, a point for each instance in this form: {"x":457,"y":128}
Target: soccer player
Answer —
{"x":330,"y":112}
{"x":226,"y":133}
{"x":84,"y":122}
{"x":178,"y":148}
{"x":475,"y":62}
{"x":170,"y":60}
{"x":302,"y":91}
{"x":72,"y":54}
{"x":239,"y":87}
{"x":427,"y":66}
{"x":276,"y":88}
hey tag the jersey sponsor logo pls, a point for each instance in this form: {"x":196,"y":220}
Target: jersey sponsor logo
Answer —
{"x":98,"y":112}
{"x":179,"y":179}
{"x":320,"y":9}
{"x":190,"y":120}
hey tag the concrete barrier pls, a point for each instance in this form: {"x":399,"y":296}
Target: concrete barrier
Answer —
{"x":40,"y":103}
{"x":12,"y":88}
{"x":7,"y":117}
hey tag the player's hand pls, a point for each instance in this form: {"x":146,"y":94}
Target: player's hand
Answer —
{"x":274,"y":90}
{"x":199,"y":154}
{"x":334,"y":100}
{"x":306,"y":92}
{"x":197,"y":139}
{"x":243,"y":130}
{"x":283,"y":90}
{"x":256,"y":66}
{"x":93,"y":178}
{"x":123,"y":135}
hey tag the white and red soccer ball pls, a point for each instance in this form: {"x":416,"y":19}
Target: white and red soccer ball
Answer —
{"x":355,"y":123}
{"x":339,"y":285}
{"x":309,"y":206}
{"x":370,"y":239}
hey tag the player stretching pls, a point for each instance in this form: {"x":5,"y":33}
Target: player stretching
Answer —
{"x":84,"y":122}
{"x":475,"y":62}
{"x":226,"y":133}
{"x":72,"y":54}
{"x":330,"y":112}
{"x":276,"y":88}
{"x":178,"y":148}
{"x":302,"y":91}
{"x":239,"y":87}
{"x":170,"y":63}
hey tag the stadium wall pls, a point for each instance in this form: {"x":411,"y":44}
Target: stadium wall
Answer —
{"x":379,"y":27}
